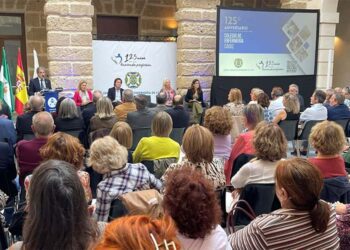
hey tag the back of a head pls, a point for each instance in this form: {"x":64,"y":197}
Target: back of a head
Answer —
{"x":122,"y":132}
{"x":187,"y":191}
{"x":68,"y":109}
{"x":303,"y":183}
{"x":104,"y":108}
{"x":96,"y":95}
{"x":269,"y":142}
{"x":263,"y":100}
{"x":57,"y":212}
{"x":291,"y":103}
{"x":340,"y":98}
{"x":218,"y":120}
{"x":255,"y":93}
{"x":43,"y":124}
{"x":198,"y":144}
{"x":254,"y":114}
{"x":36,"y":103}
{"x":161,"y":98}
{"x":235,"y":96}
{"x":276,"y":92}
{"x":128,"y":95}
{"x":162,"y":124}
{"x":320,"y":96}
{"x":139,"y":232}
{"x":178,"y":100}
{"x":141,"y":102}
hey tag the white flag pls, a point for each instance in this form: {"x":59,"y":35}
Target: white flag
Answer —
{"x":7,"y":94}
{"x":36,"y":63}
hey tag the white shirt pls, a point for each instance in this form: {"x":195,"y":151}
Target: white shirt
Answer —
{"x":118,"y":96}
{"x":217,"y":239}
{"x":255,"y":171}
{"x":42,"y":83}
{"x":276,"y":106}
{"x":316,"y":112}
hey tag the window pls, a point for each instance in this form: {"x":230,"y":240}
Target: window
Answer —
{"x":113,"y":27}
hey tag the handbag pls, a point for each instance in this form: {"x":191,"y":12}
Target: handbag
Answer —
{"x":231,"y":217}
{"x":147,"y":202}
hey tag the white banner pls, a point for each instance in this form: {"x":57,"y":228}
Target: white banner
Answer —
{"x":141,"y":65}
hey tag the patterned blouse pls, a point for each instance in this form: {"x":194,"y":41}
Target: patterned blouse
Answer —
{"x":235,"y":109}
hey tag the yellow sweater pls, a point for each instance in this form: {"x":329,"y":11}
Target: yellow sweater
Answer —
{"x":154,"y":147}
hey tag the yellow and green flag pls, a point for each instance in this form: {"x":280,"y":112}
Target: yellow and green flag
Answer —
{"x":5,"y":83}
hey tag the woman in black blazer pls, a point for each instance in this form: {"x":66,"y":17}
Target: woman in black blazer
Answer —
{"x":194,"y":97}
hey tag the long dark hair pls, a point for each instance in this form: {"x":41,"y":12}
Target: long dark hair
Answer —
{"x":57,"y":213}
{"x":192,"y":86}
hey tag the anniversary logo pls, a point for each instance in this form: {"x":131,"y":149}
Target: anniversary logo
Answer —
{"x":130,"y":60}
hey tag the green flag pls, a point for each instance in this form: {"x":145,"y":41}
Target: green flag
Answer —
{"x":5,"y":83}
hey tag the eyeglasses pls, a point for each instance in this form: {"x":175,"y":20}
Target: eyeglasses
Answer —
{"x":162,"y":244}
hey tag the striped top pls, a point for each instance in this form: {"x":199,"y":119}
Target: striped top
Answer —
{"x":285,"y":229}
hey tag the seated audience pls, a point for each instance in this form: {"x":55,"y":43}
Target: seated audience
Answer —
{"x":90,"y":108}
{"x":142,"y":118}
{"x":276,"y":105}
{"x":337,"y":110}
{"x":104,"y":117}
{"x":198,"y":146}
{"x":139,"y":232}
{"x":328,"y":139}
{"x":127,"y":106}
{"x":187,"y":192}
{"x":161,"y":101}
{"x":291,"y":109}
{"x":68,"y":118}
{"x":5,"y":111}
{"x":329,"y":94}
{"x":58,"y":215}
{"x":169,"y":92}
{"x":253,"y":114}
{"x":270,"y":146}
{"x":158,"y":146}
{"x":343,"y":213}
{"x":195,"y":100}
{"x":83,"y":95}
{"x":346,"y":92}
{"x":235,"y":105}
{"x":58,"y":104}
{"x":254,"y":93}
{"x":303,"y":222}
{"x":27,"y":152}
{"x":24,"y":122}
{"x":317,"y":112}
{"x":109,"y":158}
{"x":180,"y":116}
{"x":7,"y":131}
{"x":8,"y":171}
{"x":294,"y":90}
{"x":264,"y":101}
{"x":219,"y":121}
{"x":122,"y":132}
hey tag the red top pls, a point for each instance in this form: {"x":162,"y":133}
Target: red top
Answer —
{"x":77,"y":97}
{"x":330,"y":167}
{"x":243,"y":145}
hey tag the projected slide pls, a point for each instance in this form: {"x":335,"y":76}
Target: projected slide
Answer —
{"x":266,"y":43}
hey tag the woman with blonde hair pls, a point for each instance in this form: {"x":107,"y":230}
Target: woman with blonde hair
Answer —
{"x":83,"y":95}
{"x":254,"y":93}
{"x":235,"y":105}
{"x":104,"y":117}
{"x":122,"y":132}
{"x":168,"y":91}
{"x":291,"y":109}
{"x":159,"y":145}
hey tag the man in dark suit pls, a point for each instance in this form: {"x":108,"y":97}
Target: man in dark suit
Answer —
{"x":90,"y":109}
{"x":161,"y":100}
{"x":115,"y":93}
{"x":142,"y":118}
{"x":24,"y":122}
{"x":179,"y":115}
{"x":39,"y":83}
{"x":337,"y":109}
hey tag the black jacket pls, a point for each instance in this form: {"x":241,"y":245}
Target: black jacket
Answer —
{"x":34,"y":86}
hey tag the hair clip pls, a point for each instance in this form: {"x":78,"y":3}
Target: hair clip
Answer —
{"x":164,"y":243}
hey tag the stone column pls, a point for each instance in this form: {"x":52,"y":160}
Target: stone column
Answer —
{"x":196,"y":43}
{"x":329,"y":17}
{"x":69,"y":41}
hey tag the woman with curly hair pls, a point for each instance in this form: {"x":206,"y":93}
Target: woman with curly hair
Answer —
{"x":190,"y":199}
{"x":219,"y":122}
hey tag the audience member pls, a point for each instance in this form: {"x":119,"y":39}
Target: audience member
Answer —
{"x":115,"y":93}
{"x":158,"y":146}
{"x":7,"y":131}
{"x":57,"y":211}
{"x":235,"y":105}
{"x":328,"y":139}
{"x":276,"y":105}
{"x":294,"y":90}
{"x":195,"y":100}
{"x":58,"y":104}
{"x":122,"y":132}
{"x":343,"y":213}
{"x":346,"y":92}
{"x":291,"y":109}
{"x":254,"y":93}
{"x":127,"y":106}
{"x":90,"y":108}
{"x":337,"y":110}
{"x":169,"y":92}
{"x":303,"y":222}
{"x":139,"y":232}
{"x":8,"y":171}
{"x":83,"y":95}
{"x":27,"y":152}
{"x":142,"y":118}
{"x":68,"y":118}
{"x":270,"y":146}
{"x":198,"y":146}
{"x":253,"y":114}
{"x":180,"y":117}
{"x":24,"y":122}
{"x":104,"y":117}
{"x":264,"y":101}
{"x":187,"y":192}
{"x":109,"y":158}
{"x":219,"y":121}
{"x":5,"y":111}
{"x":329,"y":93}
{"x":161,"y":100}
{"x":317,"y":111}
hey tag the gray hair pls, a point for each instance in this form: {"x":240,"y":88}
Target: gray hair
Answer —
{"x":254,"y":114}
{"x":128,"y":95}
{"x":68,"y":109}
{"x":96,"y":95}
{"x":161,"y":98}
{"x":43,"y":123}
{"x":104,"y":108}
{"x":339,"y":97}
{"x":141,"y":102}
{"x":293,"y":85}
{"x":36,"y":103}
{"x":40,"y":68}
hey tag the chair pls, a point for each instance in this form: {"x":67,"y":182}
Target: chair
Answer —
{"x":239,"y":162}
{"x":176,"y":134}
{"x":28,"y":137}
{"x":138,"y":134}
{"x":117,"y":210}
{"x":290,"y":128}
{"x":262,"y":199}
{"x":158,"y":166}
{"x":344,"y":124}
{"x":336,"y":189}
{"x":3,"y":238}
{"x":304,"y":136}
